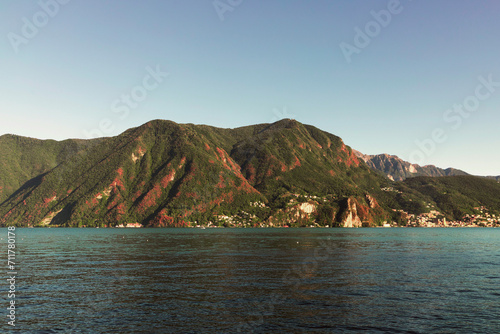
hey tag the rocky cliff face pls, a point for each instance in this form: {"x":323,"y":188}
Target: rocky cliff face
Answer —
{"x":397,"y":169}
{"x":351,"y":217}
{"x":296,"y":214}
{"x":358,"y":212}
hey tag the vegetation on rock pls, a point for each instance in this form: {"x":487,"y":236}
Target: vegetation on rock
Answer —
{"x":173,"y":175}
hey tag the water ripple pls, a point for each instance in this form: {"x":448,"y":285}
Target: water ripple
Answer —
{"x":261,"y":281}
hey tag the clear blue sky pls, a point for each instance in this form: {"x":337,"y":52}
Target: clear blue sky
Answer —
{"x":256,"y":61}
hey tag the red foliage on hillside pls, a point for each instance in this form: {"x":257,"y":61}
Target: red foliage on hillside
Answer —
{"x":296,"y":163}
{"x":352,"y":159}
{"x":167,"y":179}
{"x":121,"y":209}
{"x":46,"y":201}
{"x":182,"y":162}
{"x":150,"y":199}
{"x":251,"y":173}
{"x":221,"y":183}
{"x":164,"y":220}
{"x":137,"y":195}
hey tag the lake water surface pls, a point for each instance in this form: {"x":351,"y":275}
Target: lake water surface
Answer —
{"x":394,"y":280}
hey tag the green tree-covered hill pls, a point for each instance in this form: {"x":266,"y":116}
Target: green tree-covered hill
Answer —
{"x":457,"y":196}
{"x":168,"y":174}
{"x":24,"y":158}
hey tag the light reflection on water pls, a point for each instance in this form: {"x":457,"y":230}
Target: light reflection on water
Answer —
{"x":260,"y":280}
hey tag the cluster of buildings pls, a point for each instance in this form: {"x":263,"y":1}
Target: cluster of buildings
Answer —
{"x":435,"y":219}
{"x":432,"y":218}
{"x":482,"y":219}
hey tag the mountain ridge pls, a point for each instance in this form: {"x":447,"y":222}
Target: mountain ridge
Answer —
{"x":398,"y":169}
{"x":163,"y":173}
{"x":167,"y":174}
{"x":24,"y":158}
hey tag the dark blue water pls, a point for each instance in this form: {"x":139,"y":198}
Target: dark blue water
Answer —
{"x":255,"y":280}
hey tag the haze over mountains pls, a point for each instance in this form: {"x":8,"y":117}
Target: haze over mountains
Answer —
{"x":168,"y":174}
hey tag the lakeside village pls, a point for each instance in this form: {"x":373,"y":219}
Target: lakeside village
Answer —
{"x":304,"y":211}
{"x":436,"y":219}
{"x":297,"y":210}
{"x":431,"y":219}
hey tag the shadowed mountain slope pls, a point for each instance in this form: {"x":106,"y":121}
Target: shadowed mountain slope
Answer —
{"x":25,"y":158}
{"x":168,"y":174}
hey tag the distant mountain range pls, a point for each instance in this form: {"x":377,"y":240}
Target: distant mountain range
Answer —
{"x":168,"y":175}
{"x":397,"y":169}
